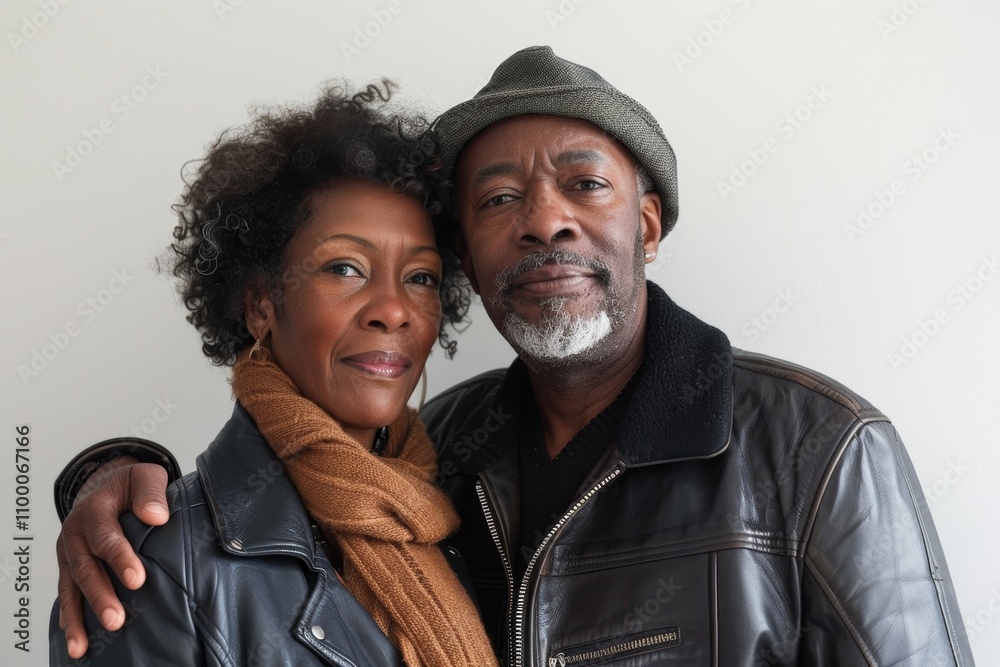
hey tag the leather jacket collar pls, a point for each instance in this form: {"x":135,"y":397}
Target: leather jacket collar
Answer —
{"x":254,"y":505}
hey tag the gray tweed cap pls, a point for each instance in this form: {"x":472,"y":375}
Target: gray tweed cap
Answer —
{"x":537,"y":81}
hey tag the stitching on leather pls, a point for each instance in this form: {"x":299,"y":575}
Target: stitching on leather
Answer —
{"x":931,"y":559}
{"x":580,"y":564}
{"x":208,"y":490}
{"x":798,"y":520}
{"x":208,"y":638}
{"x":841,"y":612}
{"x":315,"y":602}
{"x":140,"y":548}
{"x":188,"y":545}
{"x":838,"y":454}
{"x":805,"y":378}
{"x":210,"y":635}
{"x":714,"y":569}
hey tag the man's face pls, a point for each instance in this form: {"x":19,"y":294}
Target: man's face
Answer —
{"x":556,"y":235}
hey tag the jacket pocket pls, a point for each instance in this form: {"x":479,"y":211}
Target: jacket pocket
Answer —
{"x":617,"y":648}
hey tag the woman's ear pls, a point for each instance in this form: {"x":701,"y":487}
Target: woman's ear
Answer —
{"x":258,"y":310}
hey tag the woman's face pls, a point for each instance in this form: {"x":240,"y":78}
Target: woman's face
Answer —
{"x":357,"y":310}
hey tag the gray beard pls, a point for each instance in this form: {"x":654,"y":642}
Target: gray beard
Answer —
{"x":561,"y":340}
{"x":558,"y":336}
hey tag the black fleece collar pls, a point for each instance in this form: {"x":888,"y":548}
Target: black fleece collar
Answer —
{"x":681,"y":407}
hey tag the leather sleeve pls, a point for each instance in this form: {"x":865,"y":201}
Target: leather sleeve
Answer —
{"x":79,"y":469}
{"x":876,"y":589}
{"x":160,"y":626}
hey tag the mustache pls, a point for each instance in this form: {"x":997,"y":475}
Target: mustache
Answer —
{"x":537,"y":260}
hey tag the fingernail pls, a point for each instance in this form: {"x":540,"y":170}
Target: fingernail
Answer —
{"x":109,"y":617}
{"x":130,"y":576}
{"x":155,"y":508}
{"x":74,"y":648}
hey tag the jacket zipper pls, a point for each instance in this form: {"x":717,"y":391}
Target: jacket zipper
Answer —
{"x":523,"y":594}
{"x":561,"y":659}
{"x":481,"y":491}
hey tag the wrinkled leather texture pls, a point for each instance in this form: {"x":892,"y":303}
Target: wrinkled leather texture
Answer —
{"x":235,"y":577}
{"x":796,"y":534}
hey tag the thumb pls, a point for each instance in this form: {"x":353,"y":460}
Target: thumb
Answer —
{"x":148,"y":486}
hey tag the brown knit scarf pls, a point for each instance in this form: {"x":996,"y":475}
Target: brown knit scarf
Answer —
{"x":384,"y":513}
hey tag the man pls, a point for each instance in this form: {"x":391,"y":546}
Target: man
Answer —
{"x":632,"y":489}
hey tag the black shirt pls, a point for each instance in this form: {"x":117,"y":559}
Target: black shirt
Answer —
{"x":550,"y":486}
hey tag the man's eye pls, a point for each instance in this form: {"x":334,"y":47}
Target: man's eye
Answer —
{"x":589,"y":185}
{"x":498,"y":200}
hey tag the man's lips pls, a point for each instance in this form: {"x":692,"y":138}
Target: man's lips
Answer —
{"x":551,"y":279}
{"x":380,"y":363}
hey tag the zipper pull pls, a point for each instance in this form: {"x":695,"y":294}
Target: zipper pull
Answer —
{"x":558,"y":660}
{"x":381,"y":440}
{"x":318,"y":536}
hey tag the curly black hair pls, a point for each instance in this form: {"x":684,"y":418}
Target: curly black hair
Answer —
{"x":251,"y":192}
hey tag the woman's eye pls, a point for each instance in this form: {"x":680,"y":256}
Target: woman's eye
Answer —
{"x":344,"y":270}
{"x":426,"y":279}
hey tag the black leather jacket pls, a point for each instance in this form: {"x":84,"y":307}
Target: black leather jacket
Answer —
{"x":753,"y":512}
{"x":236,"y":576}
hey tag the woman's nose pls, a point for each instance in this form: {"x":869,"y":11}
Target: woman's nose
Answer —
{"x":388,"y":309}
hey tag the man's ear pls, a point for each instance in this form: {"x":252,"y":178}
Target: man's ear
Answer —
{"x":466,"y":258}
{"x":258,"y":309}
{"x":650,"y":208}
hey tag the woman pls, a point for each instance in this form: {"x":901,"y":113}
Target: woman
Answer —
{"x":309,"y":261}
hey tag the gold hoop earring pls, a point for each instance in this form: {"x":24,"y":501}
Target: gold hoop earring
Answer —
{"x":257,"y":348}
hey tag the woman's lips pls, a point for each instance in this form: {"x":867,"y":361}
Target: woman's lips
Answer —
{"x":380,"y":364}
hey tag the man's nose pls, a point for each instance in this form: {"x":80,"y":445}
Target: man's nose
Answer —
{"x":548,"y":218}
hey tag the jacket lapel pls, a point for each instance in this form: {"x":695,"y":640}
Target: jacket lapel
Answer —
{"x":257,"y":512}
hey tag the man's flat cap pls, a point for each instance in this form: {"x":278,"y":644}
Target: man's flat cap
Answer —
{"x":537,"y":81}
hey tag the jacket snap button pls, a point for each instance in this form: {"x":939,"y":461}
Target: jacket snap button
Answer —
{"x":236,"y":544}
{"x":318,"y":632}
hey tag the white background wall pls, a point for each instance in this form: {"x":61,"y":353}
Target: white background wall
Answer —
{"x":895,"y":76}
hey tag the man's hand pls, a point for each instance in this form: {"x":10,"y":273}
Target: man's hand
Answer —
{"x":92,"y":533}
